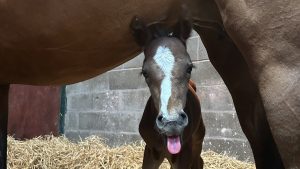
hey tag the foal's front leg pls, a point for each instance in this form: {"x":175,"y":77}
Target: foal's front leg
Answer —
{"x":184,"y":160}
{"x":197,"y":163}
{"x":152,"y":160}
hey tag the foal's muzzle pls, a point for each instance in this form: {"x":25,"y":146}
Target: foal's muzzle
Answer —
{"x":172,"y":126}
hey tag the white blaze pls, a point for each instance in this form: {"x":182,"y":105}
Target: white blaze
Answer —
{"x":165,"y":60}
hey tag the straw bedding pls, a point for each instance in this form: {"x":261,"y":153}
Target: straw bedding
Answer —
{"x":59,"y":153}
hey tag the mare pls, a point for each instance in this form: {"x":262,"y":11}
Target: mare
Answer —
{"x":254,"y":45}
{"x":171,"y":125}
{"x":56,"y":42}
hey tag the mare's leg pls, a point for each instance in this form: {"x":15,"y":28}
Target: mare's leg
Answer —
{"x":232,"y":67}
{"x":152,"y":159}
{"x":272,"y":55}
{"x":282,"y":106}
{"x":3,"y":124}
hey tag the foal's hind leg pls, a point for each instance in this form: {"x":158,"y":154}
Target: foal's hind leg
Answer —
{"x":152,"y":159}
{"x":3,"y":124}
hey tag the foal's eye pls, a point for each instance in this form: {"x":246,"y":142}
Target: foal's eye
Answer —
{"x":144,"y":73}
{"x":189,"y":69}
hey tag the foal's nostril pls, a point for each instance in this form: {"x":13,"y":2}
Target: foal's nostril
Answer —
{"x":159,"y":122}
{"x":159,"y":118}
{"x":184,"y":118}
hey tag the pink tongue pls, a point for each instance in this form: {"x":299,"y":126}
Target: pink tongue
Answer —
{"x":173,"y":144}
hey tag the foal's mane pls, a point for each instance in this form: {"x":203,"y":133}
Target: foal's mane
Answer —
{"x":159,"y":30}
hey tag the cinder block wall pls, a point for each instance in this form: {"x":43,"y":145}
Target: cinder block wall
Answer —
{"x":112,"y":104}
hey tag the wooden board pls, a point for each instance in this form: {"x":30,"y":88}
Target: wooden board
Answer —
{"x":33,"y":110}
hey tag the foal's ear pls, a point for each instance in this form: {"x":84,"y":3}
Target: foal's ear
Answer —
{"x":140,"y":32}
{"x":183,"y":28}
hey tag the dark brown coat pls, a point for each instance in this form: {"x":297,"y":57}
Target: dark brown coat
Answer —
{"x":193,"y":134}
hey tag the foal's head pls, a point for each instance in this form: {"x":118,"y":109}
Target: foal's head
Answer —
{"x":167,"y":69}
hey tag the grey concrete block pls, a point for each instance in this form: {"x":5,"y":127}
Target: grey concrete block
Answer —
{"x":225,"y":125}
{"x":71,"y":121}
{"x":119,"y":67}
{"x":118,"y":138}
{"x":76,"y":135}
{"x":215,"y":98}
{"x":80,"y":102}
{"x":240,"y":149}
{"x":192,"y":47}
{"x":134,"y":100}
{"x":109,"y":122}
{"x":136,"y":62}
{"x":194,"y":34}
{"x":205,"y":74}
{"x":126,"y":79}
{"x":99,"y":83}
{"x":106,"y":101}
{"x":202,"y":53}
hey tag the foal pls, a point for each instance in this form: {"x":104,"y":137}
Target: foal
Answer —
{"x":171,"y":125}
